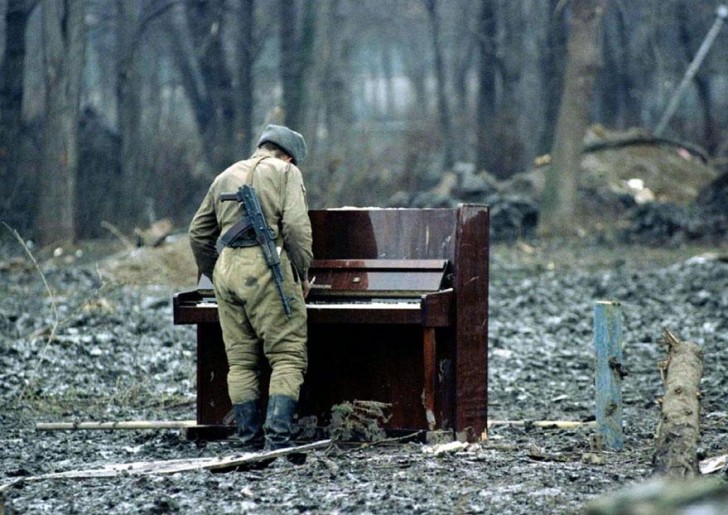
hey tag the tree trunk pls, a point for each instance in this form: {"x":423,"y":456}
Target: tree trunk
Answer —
{"x":306,"y":58}
{"x":290,"y":69}
{"x":507,"y":134}
{"x":206,"y":78}
{"x":465,"y":51}
{"x":678,"y":434}
{"x":701,"y":80}
{"x":617,"y":106}
{"x":385,"y":52}
{"x":205,"y":20}
{"x":247,"y":58}
{"x":337,"y":102}
{"x":443,"y":107}
{"x":64,"y":41}
{"x":552,"y":73}
{"x":486,"y":82}
{"x":11,"y":103}
{"x":558,"y":202}
{"x":129,"y":105}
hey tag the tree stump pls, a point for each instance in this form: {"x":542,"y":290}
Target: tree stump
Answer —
{"x":678,"y":431}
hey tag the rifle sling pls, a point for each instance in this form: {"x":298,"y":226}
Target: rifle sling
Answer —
{"x":241,"y":234}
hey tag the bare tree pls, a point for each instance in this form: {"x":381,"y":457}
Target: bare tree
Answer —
{"x":690,"y":42}
{"x":336,"y":103}
{"x":506,"y":133}
{"x":12,"y":90}
{"x":440,"y":84}
{"x":381,"y":89}
{"x":247,"y":54}
{"x":199,"y":54}
{"x":296,"y":43}
{"x":616,"y":84}
{"x":553,"y":72}
{"x":558,"y":204}
{"x":463,"y":48}
{"x":486,"y":81}
{"x":64,"y":41}
{"x":290,"y":67}
{"x":129,"y":106}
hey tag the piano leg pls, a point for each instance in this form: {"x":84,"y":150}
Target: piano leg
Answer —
{"x":430,"y":358}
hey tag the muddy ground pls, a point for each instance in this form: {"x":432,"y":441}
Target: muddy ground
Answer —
{"x":101,"y":346}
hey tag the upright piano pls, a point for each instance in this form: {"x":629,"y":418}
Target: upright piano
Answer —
{"x":398,"y":313}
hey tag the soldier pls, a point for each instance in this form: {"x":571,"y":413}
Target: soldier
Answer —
{"x":252,"y":315}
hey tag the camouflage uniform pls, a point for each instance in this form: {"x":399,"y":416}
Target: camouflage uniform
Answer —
{"x":250,"y":309}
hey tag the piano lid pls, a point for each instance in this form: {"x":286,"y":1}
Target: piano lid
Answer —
{"x":375,"y":278}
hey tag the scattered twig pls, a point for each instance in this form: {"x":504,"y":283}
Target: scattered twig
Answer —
{"x":37,"y":267}
{"x":54,"y":309}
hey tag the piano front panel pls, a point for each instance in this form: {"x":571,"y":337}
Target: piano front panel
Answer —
{"x":375,"y":363}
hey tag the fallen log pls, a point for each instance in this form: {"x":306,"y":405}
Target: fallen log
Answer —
{"x":678,"y":431}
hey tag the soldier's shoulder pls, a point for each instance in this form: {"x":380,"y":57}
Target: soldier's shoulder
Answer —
{"x":234,"y":170}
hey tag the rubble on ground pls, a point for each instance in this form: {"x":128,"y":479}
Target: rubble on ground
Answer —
{"x":638,"y":190}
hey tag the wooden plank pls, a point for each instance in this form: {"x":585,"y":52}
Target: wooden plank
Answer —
{"x":471,"y":320}
{"x":125,"y":424}
{"x":215,"y":463}
{"x":609,"y":371}
{"x":430,"y":372}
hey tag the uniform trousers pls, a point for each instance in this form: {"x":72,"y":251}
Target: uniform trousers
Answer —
{"x":255,"y":325}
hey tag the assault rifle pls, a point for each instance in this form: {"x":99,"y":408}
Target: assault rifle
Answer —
{"x":253,"y":218}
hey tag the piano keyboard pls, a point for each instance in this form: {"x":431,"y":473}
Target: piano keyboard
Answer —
{"x":413,"y":305}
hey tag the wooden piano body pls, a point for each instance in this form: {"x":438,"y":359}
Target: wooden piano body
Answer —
{"x":398,"y":313}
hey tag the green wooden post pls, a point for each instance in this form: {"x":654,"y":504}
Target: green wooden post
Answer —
{"x":609,"y":372}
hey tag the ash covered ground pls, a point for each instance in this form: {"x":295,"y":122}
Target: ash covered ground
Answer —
{"x":103,"y":347}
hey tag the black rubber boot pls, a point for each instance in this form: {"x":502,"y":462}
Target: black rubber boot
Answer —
{"x":278,"y":422}
{"x":279,"y":427}
{"x":249,"y":434}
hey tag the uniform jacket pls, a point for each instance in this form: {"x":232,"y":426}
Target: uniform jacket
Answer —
{"x":282,"y":196}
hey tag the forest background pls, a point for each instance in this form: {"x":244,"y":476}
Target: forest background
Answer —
{"x":122,"y":111}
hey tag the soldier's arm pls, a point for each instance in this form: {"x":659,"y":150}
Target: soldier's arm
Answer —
{"x":203,"y":233}
{"x":295,"y":224}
